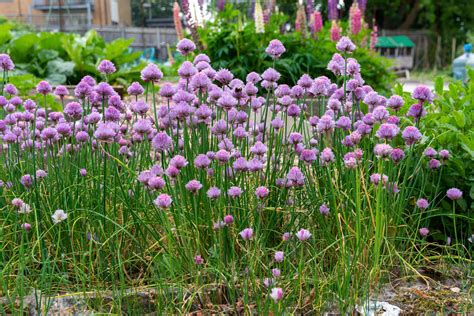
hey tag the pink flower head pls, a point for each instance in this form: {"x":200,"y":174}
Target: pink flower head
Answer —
{"x":303,"y":234}
{"x":422,"y":203}
{"x":163,"y":201}
{"x":198,"y":260}
{"x":454,"y":194}
{"x":106,"y":67}
{"x":246,"y":234}
{"x":275,"y":48}
{"x":276,"y":294}
{"x":279,"y":256}
{"x":424,"y":231}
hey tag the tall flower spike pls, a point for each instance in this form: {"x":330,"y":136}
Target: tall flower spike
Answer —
{"x":332,"y":10}
{"x":373,"y":37}
{"x":355,"y":17}
{"x":177,"y":21}
{"x":258,"y":17}
{"x":335,"y":31}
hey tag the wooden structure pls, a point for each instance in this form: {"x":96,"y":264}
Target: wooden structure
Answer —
{"x":399,"y":48}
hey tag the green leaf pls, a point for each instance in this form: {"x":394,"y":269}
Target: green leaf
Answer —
{"x":459,"y":118}
{"x":438,"y":84}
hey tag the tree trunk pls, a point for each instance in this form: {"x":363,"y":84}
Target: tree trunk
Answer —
{"x":411,"y":17}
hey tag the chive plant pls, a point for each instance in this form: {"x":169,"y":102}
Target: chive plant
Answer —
{"x":215,"y":190}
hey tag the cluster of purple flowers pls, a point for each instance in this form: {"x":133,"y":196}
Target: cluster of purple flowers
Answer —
{"x":213,"y":138}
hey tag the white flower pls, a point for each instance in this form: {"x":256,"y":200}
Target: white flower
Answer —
{"x":277,"y":294}
{"x":59,"y":216}
{"x":258,"y":17}
{"x":24,"y":209}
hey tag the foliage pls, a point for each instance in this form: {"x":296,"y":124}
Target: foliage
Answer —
{"x":231,"y":42}
{"x":218,"y":195}
{"x":450,"y":124}
{"x":63,"y":58}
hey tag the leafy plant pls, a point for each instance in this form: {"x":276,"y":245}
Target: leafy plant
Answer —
{"x":231,"y":42}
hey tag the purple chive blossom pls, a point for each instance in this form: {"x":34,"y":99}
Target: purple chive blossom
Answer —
{"x":387,"y":131}
{"x":26,"y":226}
{"x":224,"y":76}
{"x":106,"y":67}
{"x":416,"y":111}
{"x":10,"y":89}
{"x":382,"y":150}
{"x":422,"y":94}
{"x":26,"y":181}
{"x":151,"y":73}
{"x":198,"y":260}
{"x":246,"y":234}
{"x":397,"y":155}
{"x":135,"y":89}
{"x":303,"y":234}
{"x":6,"y":64}
{"x":324,"y":210}
{"x":345,"y":45}
{"x":193,"y":186}
{"x":163,"y":201}
{"x":275,"y":48}
{"x":444,"y":154}
{"x":276,"y":272}
{"x":434,"y":164}
{"x":422,"y":204}
{"x":185,"y":46}
{"x":234,"y":192}
{"x":411,"y":135}
{"x":213,"y":193}
{"x":262,"y":192}
{"x":424,"y":231}
{"x":277,"y":294}
{"x":430,"y":152}
{"x":376,"y":178}
{"x":83,"y":172}
{"x":454,"y":194}
{"x":161,"y":142}
{"x":395,"y":102}
{"x":295,"y":177}
{"x":228,"y":219}
{"x":44,"y":87}
{"x":73,"y":110}
{"x":279,"y":256}
{"x":286,"y":236}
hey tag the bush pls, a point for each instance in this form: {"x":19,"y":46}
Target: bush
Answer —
{"x":63,"y":58}
{"x":231,"y":42}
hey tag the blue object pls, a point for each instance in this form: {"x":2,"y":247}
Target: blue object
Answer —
{"x":148,"y":54}
{"x":461,"y":63}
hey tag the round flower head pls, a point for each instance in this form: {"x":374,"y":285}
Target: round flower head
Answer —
{"x":246,"y":234}
{"x":422,"y":203}
{"x":444,"y":154}
{"x":397,"y":155}
{"x":276,"y":272}
{"x":454,"y":194}
{"x":163,"y":201}
{"x":395,"y":102}
{"x":411,"y":135}
{"x":434,"y":164}
{"x":10,"y":89}
{"x":185,"y":46}
{"x":224,"y":76}
{"x":303,"y":234}
{"x":193,"y":186}
{"x":213,"y":193}
{"x":324,"y":210}
{"x":234,"y":191}
{"x":275,"y":48}
{"x":26,"y":226}
{"x":151,"y":73}
{"x":135,"y":89}
{"x":6,"y":64}
{"x":44,"y":87}
{"x":424,"y":231}
{"x":73,"y":110}
{"x":277,"y":294}
{"x":59,"y":216}
{"x":61,"y":91}
{"x":198,"y":260}
{"x":279,"y":256}
{"x":228,"y":219}
{"x":345,"y":45}
{"x":161,"y":142}
{"x":423,"y":93}
{"x":106,"y":67}
{"x":262,"y":192}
